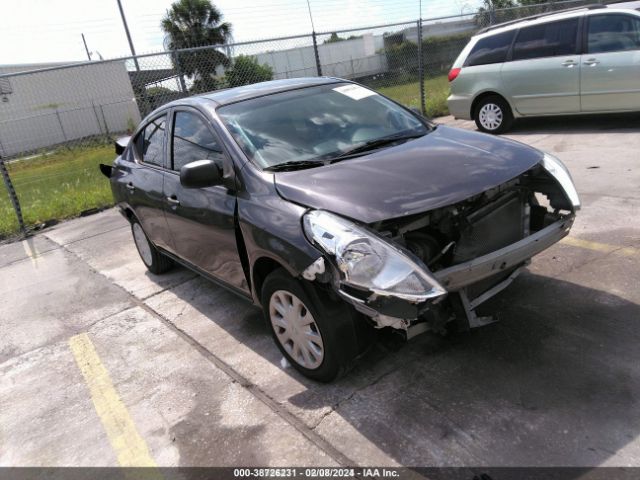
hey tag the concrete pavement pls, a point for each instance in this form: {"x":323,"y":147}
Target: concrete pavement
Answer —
{"x":555,"y":382}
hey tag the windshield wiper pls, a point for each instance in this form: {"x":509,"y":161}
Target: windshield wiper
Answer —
{"x":294,"y":165}
{"x":374,"y":144}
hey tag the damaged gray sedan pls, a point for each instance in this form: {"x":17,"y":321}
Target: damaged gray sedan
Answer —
{"x":337,"y":211}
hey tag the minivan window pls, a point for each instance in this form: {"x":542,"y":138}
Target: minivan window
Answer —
{"x":613,"y":33}
{"x":193,"y":140}
{"x":491,"y":49}
{"x":547,"y":40}
{"x":149,"y":142}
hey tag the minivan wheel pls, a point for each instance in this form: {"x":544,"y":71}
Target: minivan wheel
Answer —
{"x":493,"y":115}
{"x":155,"y":261}
{"x":317,"y":336}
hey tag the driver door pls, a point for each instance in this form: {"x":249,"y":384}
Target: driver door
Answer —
{"x":201,"y":220}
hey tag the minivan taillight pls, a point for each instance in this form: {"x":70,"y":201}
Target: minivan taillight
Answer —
{"x":453,"y":74}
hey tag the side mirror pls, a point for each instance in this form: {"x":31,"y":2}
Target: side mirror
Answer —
{"x":200,"y":174}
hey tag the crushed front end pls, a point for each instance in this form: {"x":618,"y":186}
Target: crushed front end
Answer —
{"x":466,"y":252}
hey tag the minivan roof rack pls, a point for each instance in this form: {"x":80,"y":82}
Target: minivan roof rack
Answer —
{"x":594,"y":6}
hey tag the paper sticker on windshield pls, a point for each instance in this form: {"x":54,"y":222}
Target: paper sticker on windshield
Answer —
{"x":354,"y":91}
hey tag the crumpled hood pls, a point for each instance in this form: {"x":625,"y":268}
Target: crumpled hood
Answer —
{"x":444,"y":167}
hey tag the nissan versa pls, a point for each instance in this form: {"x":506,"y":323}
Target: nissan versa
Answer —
{"x":337,"y":210}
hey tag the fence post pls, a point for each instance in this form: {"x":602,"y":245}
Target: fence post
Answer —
{"x":176,"y":66}
{"x":104,"y":119}
{"x":93,"y":106}
{"x":12,"y":195}
{"x":64,"y":135}
{"x":423,"y":100}
{"x":317,"y":54}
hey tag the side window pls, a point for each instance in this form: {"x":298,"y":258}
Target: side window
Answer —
{"x":491,"y":49}
{"x":547,"y":40}
{"x":149,"y":142}
{"x":193,"y":140}
{"x":613,"y":33}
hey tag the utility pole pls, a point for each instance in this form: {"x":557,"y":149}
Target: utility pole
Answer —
{"x":126,"y":29}
{"x":315,"y":42}
{"x":85,"y":47}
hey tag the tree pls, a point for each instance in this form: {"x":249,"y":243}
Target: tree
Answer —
{"x":247,"y":70}
{"x":487,"y":12}
{"x":197,"y":23}
{"x":334,"y":38}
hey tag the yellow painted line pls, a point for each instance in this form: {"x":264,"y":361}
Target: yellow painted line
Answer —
{"x":130,"y":447}
{"x":29,"y":246}
{"x":601,"y":247}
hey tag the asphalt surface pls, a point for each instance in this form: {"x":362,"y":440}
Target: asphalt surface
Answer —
{"x":102,"y":363}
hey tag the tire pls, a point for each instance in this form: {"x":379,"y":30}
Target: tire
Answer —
{"x":155,"y":261}
{"x":334,"y":335}
{"x":493,"y":115}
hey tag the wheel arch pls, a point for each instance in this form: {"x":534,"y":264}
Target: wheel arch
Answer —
{"x":261,"y":269}
{"x":485,"y":94}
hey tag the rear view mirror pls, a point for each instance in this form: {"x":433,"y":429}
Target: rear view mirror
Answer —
{"x":200,"y":174}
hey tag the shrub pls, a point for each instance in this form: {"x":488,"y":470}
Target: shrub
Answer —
{"x":247,"y":70}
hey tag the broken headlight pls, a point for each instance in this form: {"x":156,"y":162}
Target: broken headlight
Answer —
{"x":558,"y":171}
{"x":369,"y":262}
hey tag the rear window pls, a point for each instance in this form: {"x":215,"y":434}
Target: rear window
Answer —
{"x":491,"y":49}
{"x":547,"y":40}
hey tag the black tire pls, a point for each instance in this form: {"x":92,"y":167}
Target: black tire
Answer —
{"x":344,"y":333}
{"x":153,"y":259}
{"x":493,"y":114}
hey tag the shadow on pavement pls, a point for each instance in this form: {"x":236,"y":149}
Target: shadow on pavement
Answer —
{"x":554,"y":383}
{"x":605,"y":123}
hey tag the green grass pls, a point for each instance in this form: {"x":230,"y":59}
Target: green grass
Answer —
{"x":408,"y":94}
{"x":56,"y":186}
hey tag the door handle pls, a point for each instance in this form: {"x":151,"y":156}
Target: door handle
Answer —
{"x":569,"y":63}
{"x":173,"y":200}
{"x":591,"y":62}
{"x":130,"y":187}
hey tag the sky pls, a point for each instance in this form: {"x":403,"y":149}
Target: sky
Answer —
{"x":40,"y":31}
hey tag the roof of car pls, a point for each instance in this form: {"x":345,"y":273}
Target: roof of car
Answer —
{"x":551,"y":17}
{"x":232,"y":95}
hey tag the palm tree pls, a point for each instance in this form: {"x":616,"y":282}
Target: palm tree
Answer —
{"x":197,"y":23}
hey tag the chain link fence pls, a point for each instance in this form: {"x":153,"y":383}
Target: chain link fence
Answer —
{"x":58,"y":123}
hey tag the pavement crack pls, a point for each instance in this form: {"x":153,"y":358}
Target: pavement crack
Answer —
{"x":338,"y":404}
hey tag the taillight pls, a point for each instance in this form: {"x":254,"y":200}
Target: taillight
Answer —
{"x":453,"y":74}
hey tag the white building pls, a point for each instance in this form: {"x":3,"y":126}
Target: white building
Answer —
{"x":52,"y":104}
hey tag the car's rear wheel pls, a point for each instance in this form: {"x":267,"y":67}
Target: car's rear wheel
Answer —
{"x":493,"y":115}
{"x":155,"y":261}
{"x":320,"y":338}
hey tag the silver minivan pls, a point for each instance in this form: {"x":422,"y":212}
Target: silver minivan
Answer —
{"x":572,"y":62}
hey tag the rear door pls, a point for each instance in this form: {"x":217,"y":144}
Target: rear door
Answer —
{"x":611,"y":63}
{"x":543,"y":74}
{"x":142,"y":179}
{"x":202,"y":220}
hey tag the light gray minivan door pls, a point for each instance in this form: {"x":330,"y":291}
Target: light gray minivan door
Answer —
{"x":611,"y":63}
{"x":543,"y":76}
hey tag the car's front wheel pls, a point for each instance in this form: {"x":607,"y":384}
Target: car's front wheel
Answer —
{"x":493,"y":115}
{"x":154,"y":260}
{"x":320,"y":338}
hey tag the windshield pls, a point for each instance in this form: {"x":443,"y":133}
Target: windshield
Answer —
{"x":315,"y":123}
